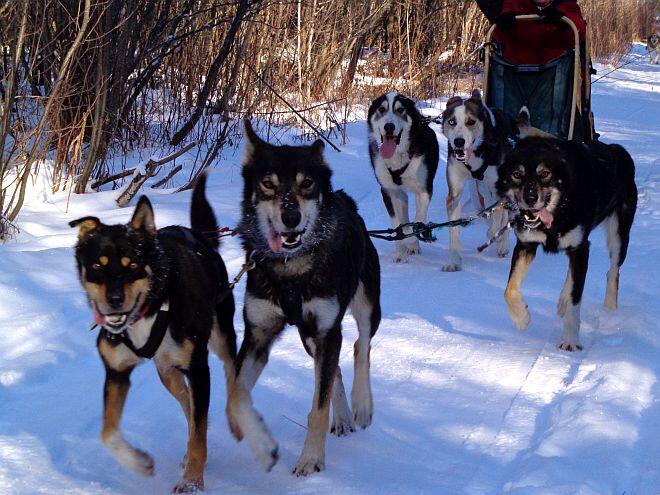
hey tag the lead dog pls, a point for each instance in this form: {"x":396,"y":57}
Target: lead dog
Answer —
{"x":564,"y":190}
{"x":478,"y":139}
{"x":404,"y":155}
{"x":652,"y":45}
{"x":314,"y":261}
{"x":155,"y":294}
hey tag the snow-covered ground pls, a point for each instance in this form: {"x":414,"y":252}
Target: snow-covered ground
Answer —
{"x":464,"y":403}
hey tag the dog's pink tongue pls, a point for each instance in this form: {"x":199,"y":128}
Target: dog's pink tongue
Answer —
{"x":468,"y":153}
{"x":388,"y":147}
{"x":546,"y":217}
{"x":274,"y":240}
{"x":99,"y":319}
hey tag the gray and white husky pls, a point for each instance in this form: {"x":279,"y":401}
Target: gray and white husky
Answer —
{"x":404,"y":155}
{"x":478,"y":139}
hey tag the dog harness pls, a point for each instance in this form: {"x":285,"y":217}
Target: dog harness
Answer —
{"x":396,"y":174}
{"x":479,"y":173}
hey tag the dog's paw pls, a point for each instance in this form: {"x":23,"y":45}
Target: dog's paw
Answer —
{"x":363,"y":411}
{"x":401,"y":258}
{"x":128,"y":456}
{"x":341,"y":425}
{"x":451,"y":267}
{"x":570,"y":347}
{"x":503,"y":253}
{"x":264,"y":447}
{"x":309,"y":464}
{"x":189,"y":486}
{"x":519,"y":314}
{"x":412,"y":248}
{"x":143,"y":463}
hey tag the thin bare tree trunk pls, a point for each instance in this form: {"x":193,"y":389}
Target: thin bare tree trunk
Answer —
{"x":214,"y":70}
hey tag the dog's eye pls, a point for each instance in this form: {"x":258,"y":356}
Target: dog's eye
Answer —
{"x":452,"y":122}
{"x":400,"y":110}
{"x":307,"y":183}
{"x":268,"y":184}
{"x":470,"y":123}
{"x":96,"y":266}
{"x":133,"y":265}
{"x":382,"y":109}
{"x":517,"y":175}
{"x":544,"y":174}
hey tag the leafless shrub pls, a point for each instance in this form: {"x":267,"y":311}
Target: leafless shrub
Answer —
{"x":85,"y":81}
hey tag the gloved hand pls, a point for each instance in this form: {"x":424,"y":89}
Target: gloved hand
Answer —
{"x":553,"y":16}
{"x":506,"y":21}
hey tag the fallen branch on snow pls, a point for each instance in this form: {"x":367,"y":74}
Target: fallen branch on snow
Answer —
{"x":170,"y":174}
{"x":145,"y":171}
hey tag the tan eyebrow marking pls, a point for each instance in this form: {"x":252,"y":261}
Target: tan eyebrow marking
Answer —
{"x":104,"y":260}
{"x":125,"y":261}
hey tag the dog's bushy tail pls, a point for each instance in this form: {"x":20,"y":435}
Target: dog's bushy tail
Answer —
{"x":202,"y":218}
{"x":626,"y":165}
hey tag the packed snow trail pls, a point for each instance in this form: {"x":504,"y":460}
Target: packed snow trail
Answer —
{"x":464,"y":403}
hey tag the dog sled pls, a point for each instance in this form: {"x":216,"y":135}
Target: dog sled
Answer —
{"x":557,"y":92}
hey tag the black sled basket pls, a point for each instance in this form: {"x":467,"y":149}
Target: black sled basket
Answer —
{"x":558,"y":101}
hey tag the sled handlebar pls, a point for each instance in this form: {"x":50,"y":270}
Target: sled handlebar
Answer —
{"x":577,"y":67}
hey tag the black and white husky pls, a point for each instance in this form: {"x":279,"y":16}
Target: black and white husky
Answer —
{"x":478,"y":139}
{"x":652,"y":46}
{"x":564,"y":190}
{"x":314,"y":261}
{"x":404,"y":155}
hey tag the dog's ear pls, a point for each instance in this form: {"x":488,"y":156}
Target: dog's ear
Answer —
{"x":317,"y":147}
{"x":411,"y":109}
{"x":86,"y":225}
{"x":454,"y":101}
{"x":524,"y":125}
{"x":523,"y":117}
{"x":252,"y":141}
{"x":476,"y":94}
{"x":143,"y":217}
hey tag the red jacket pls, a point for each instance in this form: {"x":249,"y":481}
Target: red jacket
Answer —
{"x":531,"y":43}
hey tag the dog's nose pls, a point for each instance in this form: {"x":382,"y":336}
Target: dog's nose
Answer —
{"x":115,"y":299}
{"x":459,"y":142}
{"x":389,"y":128}
{"x":530,"y":195}
{"x":291,"y":218}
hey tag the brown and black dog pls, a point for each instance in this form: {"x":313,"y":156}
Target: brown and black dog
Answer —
{"x":158,"y":294}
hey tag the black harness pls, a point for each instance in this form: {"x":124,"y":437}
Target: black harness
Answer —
{"x":396,"y":174}
{"x":156,"y":336}
{"x":479,"y":173}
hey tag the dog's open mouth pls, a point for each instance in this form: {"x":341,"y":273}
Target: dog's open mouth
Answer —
{"x":280,"y":241}
{"x":463,"y":154}
{"x":534,"y":218}
{"x":388,"y":144}
{"x":116,"y":322}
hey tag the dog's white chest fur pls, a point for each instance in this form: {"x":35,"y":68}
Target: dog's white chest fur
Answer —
{"x":139,"y":332}
{"x":572,"y":238}
{"x":169,"y":353}
{"x":413,"y":178}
